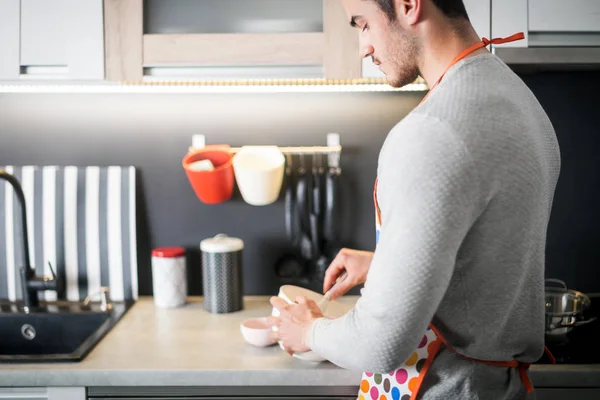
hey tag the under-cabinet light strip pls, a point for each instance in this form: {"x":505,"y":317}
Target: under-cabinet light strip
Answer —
{"x":204,"y":89}
{"x":238,"y":86}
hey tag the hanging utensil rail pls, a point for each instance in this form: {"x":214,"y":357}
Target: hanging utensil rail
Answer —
{"x":333,"y":148}
{"x":291,"y":150}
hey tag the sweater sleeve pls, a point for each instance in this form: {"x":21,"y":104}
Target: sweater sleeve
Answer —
{"x":429,"y":197}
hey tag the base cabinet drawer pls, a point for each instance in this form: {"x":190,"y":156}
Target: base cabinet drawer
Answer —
{"x":223,"y":393}
{"x":567,"y":394}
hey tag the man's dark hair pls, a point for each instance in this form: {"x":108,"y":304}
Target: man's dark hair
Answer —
{"x":450,"y":8}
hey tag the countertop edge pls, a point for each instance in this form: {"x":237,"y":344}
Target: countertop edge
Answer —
{"x":565,"y":376}
{"x":541,"y":376}
{"x":90,"y":378}
{"x":102,"y":367}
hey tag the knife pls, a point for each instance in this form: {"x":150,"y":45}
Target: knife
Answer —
{"x":324,"y":302}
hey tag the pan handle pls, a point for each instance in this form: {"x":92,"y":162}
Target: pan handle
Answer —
{"x":572,"y":324}
{"x":558,"y":282}
{"x":587,"y":321}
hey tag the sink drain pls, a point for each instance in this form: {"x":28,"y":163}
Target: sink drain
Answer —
{"x":28,"y":332}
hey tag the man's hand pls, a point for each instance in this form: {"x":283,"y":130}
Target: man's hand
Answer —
{"x":355,"y":262}
{"x":294,"y":323}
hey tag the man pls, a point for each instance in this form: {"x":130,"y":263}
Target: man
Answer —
{"x":464,"y":193}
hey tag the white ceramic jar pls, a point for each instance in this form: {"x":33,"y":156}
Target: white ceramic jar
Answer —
{"x":169,"y":278}
{"x":259,"y":173}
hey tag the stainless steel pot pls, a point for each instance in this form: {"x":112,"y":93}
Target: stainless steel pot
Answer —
{"x":564,"y":309}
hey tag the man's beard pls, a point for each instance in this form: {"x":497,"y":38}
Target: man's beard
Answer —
{"x":403,"y":57}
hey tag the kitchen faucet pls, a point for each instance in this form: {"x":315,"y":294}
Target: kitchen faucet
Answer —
{"x":30,"y":282}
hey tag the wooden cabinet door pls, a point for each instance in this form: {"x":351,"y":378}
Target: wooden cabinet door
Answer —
{"x":251,"y":40}
{"x":205,"y":40}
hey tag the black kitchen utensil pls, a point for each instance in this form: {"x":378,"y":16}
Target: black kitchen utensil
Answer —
{"x":289,"y":202}
{"x":316,"y":188}
{"x":331,"y":211}
{"x":291,"y":265}
{"x":301,"y":196}
{"x":320,"y":261}
{"x":320,"y":265}
{"x":314,"y":236}
{"x":303,"y":210}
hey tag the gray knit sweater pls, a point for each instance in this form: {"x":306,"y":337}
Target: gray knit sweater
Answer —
{"x":466,"y":183}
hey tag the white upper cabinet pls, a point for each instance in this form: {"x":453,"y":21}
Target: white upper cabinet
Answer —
{"x":548,"y":23}
{"x":51,"y":39}
{"x":10,"y":11}
{"x":480,"y":15}
{"x":560,"y":16}
{"x":44,"y":33}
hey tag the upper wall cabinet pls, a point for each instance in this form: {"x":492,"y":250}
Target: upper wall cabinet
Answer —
{"x":51,"y":39}
{"x":548,"y":23}
{"x":480,"y":14}
{"x":558,"y":34}
{"x":228,"y":39}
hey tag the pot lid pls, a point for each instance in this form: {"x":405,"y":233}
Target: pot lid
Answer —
{"x":221,"y":244}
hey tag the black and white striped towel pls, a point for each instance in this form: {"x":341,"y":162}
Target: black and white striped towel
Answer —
{"x":80,"y":219}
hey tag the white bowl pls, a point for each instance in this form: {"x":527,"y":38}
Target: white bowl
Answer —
{"x":334,"y":309}
{"x":257,"y":332}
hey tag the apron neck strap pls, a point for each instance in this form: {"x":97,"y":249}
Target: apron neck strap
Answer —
{"x":483,"y":43}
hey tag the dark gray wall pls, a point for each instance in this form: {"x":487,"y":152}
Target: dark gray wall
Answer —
{"x":573,"y":245}
{"x":153,"y":132}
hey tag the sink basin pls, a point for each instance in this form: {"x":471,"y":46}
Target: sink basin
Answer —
{"x":56,"y":331}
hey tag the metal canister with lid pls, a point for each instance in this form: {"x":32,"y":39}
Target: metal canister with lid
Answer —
{"x":222,"y":274}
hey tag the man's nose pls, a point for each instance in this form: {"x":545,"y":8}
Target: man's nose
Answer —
{"x":366,"y":50}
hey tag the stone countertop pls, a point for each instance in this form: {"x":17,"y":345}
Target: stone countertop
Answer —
{"x":188,"y":346}
{"x":178,"y":347}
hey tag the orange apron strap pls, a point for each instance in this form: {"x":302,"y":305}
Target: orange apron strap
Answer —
{"x":550,"y":356}
{"x":511,"y":38}
{"x":377,"y":210}
{"x":435,"y":347}
{"x":522,"y":367}
{"x":483,"y":43}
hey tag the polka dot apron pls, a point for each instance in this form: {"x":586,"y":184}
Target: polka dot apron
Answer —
{"x":405,"y":382}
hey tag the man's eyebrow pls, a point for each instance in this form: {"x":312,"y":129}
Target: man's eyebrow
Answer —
{"x":353,"y":20}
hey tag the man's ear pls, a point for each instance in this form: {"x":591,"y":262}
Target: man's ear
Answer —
{"x":409,"y":10}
